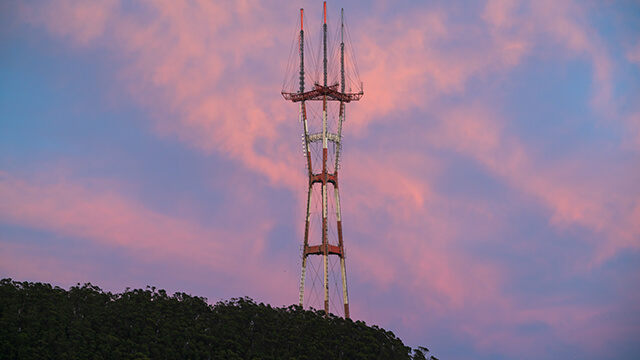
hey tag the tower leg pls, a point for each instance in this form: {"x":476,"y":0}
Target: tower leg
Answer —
{"x":325,"y":232}
{"x":304,"y":272}
{"x":344,"y":287}
{"x":343,"y":269}
{"x":325,"y":245}
{"x":305,"y":246}
{"x":326,"y":283}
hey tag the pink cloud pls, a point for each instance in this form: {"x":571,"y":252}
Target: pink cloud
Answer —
{"x":419,"y":245}
{"x":571,"y":323}
{"x":105,"y":218}
{"x":178,"y":55}
{"x":408,"y":63}
{"x":518,"y":26}
{"x":566,"y":21}
{"x":84,"y":22}
{"x":423,"y":246}
{"x":570,"y":188}
{"x":633,"y":54}
{"x":41,"y":266}
{"x":390,"y":178}
{"x":632,"y":137}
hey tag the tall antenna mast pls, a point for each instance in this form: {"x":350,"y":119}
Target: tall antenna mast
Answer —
{"x":323,"y":175}
{"x":301,"y":51}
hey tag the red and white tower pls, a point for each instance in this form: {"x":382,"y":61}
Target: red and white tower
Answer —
{"x":322,"y":112}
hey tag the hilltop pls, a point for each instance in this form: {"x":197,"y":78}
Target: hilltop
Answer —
{"x":38,"y":321}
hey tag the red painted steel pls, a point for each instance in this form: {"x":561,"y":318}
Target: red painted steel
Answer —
{"x":324,"y":93}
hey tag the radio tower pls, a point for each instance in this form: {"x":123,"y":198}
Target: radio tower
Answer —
{"x":322,"y":165}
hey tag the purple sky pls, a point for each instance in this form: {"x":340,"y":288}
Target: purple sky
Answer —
{"x":490,"y":181}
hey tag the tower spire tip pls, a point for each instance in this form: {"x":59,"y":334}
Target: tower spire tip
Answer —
{"x":325,"y":12}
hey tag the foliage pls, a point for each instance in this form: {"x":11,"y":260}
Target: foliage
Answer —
{"x":38,"y":321}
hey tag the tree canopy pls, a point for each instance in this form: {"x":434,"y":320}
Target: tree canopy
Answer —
{"x":38,"y":321}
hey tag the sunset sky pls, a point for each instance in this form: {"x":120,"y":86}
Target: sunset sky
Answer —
{"x":490,"y":179}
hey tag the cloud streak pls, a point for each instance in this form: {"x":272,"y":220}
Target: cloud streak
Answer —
{"x":99,"y":215}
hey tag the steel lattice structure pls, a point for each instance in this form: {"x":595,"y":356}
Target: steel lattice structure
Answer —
{"x":325,"y":93}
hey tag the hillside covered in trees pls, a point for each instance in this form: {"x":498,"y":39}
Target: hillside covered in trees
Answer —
{"x":38,"y":321}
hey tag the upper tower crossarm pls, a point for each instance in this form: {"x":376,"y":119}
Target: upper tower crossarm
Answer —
{"x":319,"y":91}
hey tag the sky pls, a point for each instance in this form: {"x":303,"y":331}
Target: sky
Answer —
{"x":490,"y":177}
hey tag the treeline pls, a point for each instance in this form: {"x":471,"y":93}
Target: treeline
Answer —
{"x":38,"y":321}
